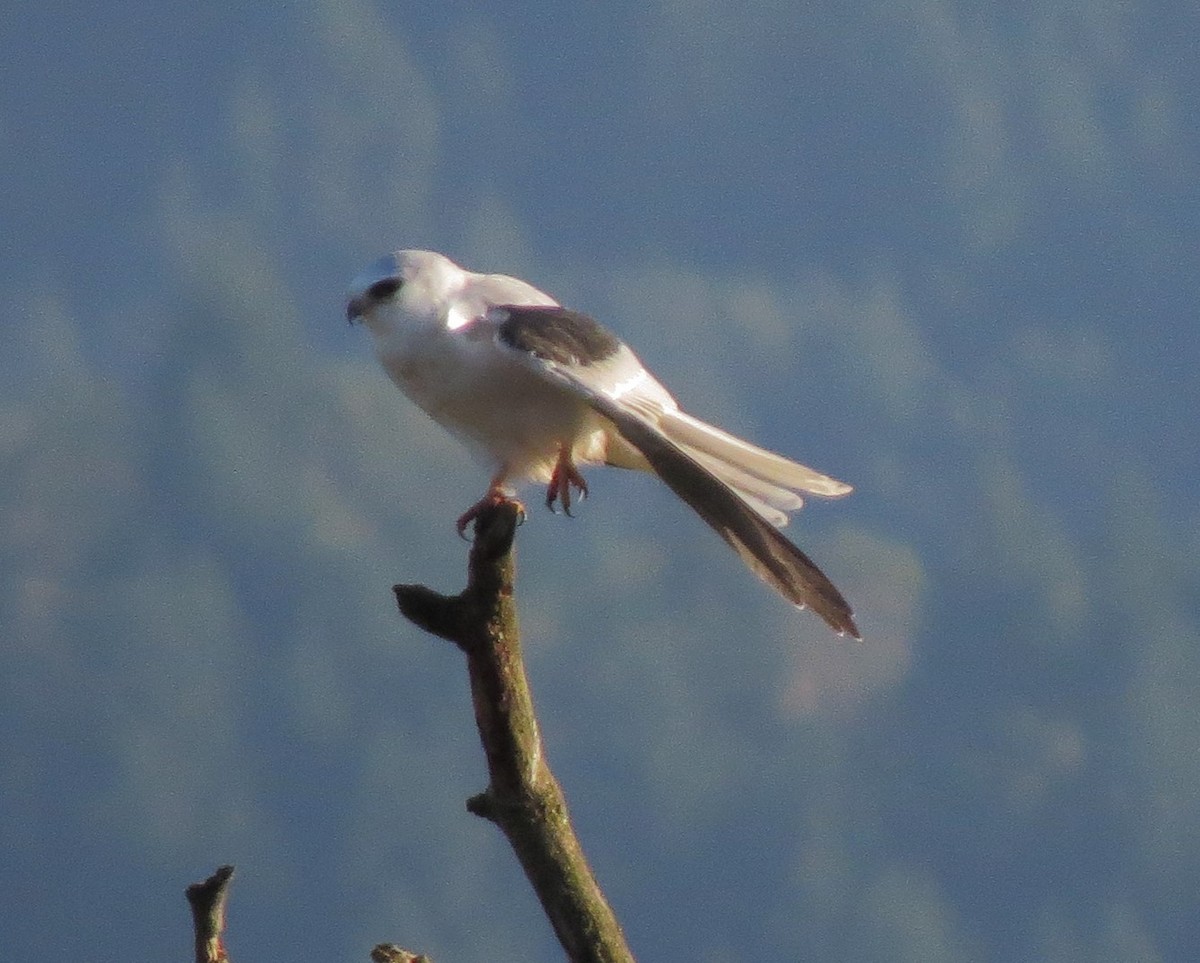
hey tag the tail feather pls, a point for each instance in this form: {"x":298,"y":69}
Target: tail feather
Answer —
{"x":669,"y":442}
{"x":771,"y":514}
{"x":770,"y":501}
{"x":760,"y":545}
{"x":694,"y":434}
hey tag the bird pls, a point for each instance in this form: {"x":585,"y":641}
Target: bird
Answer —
{"x":535,"y":390}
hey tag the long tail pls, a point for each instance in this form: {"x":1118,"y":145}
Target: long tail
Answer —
{"x":769,"y":483}
{"x":691,"y":457}
{"x":698,"y":476}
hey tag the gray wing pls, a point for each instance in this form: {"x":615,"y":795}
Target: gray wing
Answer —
{"x":577,"y":353}
{"x":558,"y":335}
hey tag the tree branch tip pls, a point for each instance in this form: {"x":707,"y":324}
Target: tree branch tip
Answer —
{"x":207,"y":900}
{"x":407,"y":595}
{"x":217,"y":881}
{"x":391,"y":953}
{"x":495,"y":529}
{"x":484,"y":806}
{"x":429,"y":610}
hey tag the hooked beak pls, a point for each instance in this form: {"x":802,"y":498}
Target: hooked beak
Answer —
{"x":354,"y":309}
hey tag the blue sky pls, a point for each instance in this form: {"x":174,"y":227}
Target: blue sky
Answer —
{"x":942,"y":250}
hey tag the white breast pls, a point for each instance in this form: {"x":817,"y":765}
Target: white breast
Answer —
{"x":506,"y":414}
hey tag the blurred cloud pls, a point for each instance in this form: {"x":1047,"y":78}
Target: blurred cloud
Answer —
{"x":1057,"y":85}
{"x":831,"y":676}
{"x":365,"y":65}
{"x":904,"y":916}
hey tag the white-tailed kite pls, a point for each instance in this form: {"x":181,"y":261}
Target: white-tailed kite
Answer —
{"x":535,"y":389}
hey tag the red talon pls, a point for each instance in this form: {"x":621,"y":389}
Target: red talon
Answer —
{"x":564,"y":477}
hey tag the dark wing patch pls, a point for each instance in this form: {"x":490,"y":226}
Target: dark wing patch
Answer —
{"x":558,"y":334}
{"x":384,"y":289}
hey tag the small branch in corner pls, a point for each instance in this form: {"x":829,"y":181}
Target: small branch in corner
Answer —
{"x":208,"y":899}
{"x":391,"y":953}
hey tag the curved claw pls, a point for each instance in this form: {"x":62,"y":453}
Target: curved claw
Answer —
{"x":563,"y":480}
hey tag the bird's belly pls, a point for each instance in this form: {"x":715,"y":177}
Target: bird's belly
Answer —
{"x":506,"y":415}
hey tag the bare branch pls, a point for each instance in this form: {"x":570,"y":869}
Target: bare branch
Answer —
{"x":207,"y":900}
{"x":522,"y":798}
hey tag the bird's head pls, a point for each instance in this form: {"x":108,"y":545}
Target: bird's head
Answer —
{"x":414,"y":283}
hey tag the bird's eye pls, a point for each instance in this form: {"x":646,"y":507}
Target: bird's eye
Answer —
{"x":384,"y":289}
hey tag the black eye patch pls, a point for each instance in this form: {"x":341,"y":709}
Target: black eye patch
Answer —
{"x":384,"y":289}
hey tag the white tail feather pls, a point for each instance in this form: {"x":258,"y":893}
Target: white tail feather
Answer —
{"x":741,"y":456}
{"x":770,"y":501}
{"x":771,"y":514}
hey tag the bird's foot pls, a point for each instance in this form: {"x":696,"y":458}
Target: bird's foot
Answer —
{"x":563,"y":479}
{"x":494,"y":497}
